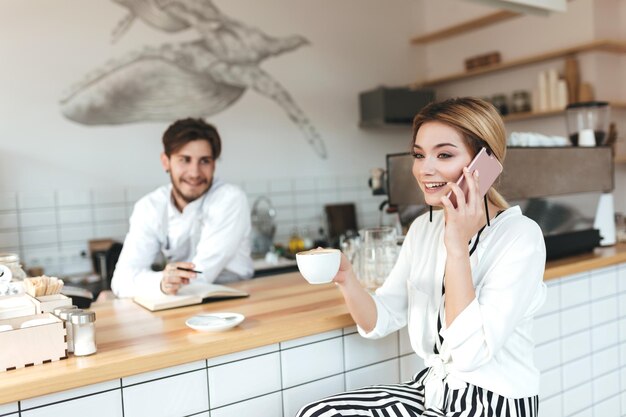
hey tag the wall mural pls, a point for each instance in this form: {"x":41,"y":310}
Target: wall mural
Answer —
{"x":197,"y":78}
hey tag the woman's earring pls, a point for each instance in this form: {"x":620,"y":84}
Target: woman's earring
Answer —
{"x":431,"y":213}
{"x":167,"y":171}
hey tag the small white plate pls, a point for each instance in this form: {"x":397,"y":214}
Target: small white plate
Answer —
{"x":214,"y":322}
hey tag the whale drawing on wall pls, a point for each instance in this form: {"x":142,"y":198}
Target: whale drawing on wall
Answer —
{"x":197,"y":78}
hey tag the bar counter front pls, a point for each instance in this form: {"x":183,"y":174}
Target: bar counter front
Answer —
{"x":297,"y":343}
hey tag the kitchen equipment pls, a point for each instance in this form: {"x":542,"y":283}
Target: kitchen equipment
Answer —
{"x":263,"y":226}
{"x":387,"y":106}
{"x":588,"y":119}
{"x":341,"y":221}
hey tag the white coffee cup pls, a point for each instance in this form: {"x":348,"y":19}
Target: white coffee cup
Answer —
{"x":319,"y":266}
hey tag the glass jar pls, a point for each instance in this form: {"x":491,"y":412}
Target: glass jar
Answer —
{"x":84,"y":330}
{"x":377,"y":255}
{"x":12,"y":285}
{"x":65,"y":315}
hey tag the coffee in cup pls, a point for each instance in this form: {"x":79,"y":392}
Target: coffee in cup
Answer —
{"x":319,"y":266}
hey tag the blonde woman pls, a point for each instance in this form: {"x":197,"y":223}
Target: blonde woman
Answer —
{"x":467,"y":283}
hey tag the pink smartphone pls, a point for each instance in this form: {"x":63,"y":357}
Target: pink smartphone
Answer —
{"x":488,"y":168}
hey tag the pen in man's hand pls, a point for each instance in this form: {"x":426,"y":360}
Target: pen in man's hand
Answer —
{"x":188,"y":270}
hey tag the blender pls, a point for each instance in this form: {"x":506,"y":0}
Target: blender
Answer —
{"x":588,"y":122}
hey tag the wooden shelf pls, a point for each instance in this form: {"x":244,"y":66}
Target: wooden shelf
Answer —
{"x":466,"y":26}
{"x":606,"y":45}
{"x":620,"y":159}
{"x":514,"y":117}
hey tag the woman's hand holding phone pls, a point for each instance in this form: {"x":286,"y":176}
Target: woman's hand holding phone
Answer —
{"x":464,"y":220}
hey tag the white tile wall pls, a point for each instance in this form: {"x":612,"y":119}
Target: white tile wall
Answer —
{"x":265,"y":406}
{"x":10,"y":408}
{"x":296,"y":397}
{"x":163,"y":373}
{"x":310,"y":362}
{"x":382,"y":373}
{"x":237,"y":381}
{"x":69,"y":394}
{"x":107,"y":404}
{"x":361,"y":352}
{"x":73,"y":216}
{"x":178,"y":395}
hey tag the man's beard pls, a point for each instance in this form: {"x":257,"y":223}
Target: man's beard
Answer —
{"x":187,"y":198}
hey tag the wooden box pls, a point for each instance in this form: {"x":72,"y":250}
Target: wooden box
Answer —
{"x":40,"y":343}
{"x":47,"y":303}
{"x":16,"y":306}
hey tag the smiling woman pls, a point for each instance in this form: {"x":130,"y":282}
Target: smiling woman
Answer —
{"x":467,"y":284}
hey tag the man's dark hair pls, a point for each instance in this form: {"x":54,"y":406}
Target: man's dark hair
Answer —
{"x":183,"y":131}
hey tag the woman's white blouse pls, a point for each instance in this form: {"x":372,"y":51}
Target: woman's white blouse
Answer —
{"x":490,"y":343}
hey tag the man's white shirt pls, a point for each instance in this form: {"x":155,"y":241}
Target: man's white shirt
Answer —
{"x":213,"y":232}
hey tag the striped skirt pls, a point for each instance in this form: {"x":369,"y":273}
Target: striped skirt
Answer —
{"x":407,"y":400}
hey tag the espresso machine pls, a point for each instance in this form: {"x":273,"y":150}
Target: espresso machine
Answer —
{"x":564,"y":189}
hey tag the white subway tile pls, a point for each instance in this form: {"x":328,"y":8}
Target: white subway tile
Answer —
{"x":308,"y":199}
{"x":304,"y":184}
{"x":310,"y":339}
{"x":265,"y":406}
{"x":348,"y":196}
{"x":622,"y":331}
{"x":281,"y":186}
{"x":604,"y":336}
{"x":548,"y":355}
{"x":8,"y":221}
{"x":310,"y":362}
{"x":8,"y":408}
{"x":546,"y":328}
{"x":361,"y":352}
{"x":104,"y":214}
{"x":285,"y":214}
{"x":587,"y":412}
{"x":575,"y":291}
{"x":8,"y":200}
{"x":622,"y":400}
{"x":609,"y":407}
{"x":39,"y":236}
{"x":326,"y":183}
{"x":75,"y":215}
{"x":605,"y":361}
{"x":9,"y":239}
{"x":38,"y":218}
{"x":134,"y":194}
{"x":553,"y":301}
{"x":245,"y":379}
{"x":603,"y":282}
{"x":107,"y":404}
{"x":256,"y":187}
{"x":71,"y":233}
{"x":577,"y":399}
{"x":621,"y":278}
{"x":410,"y":365}
{"x":327,"y":197}
{"x":237,"y":356}
{"x":73,"y":198}
{"x":576,"y":345}
{"x":72,"y":393}
{"x":77,"y":268}
{"x":381,"y":373}
{"x":309,"y":212}
{"x":606,"y":386}
{"x":282,"y":200}
{"x":108,"y":195}
{"x":35,"y":199}
{"x":174,"y":396}
{"x":41,"y":256}
{"x":575,"y":319}
{"x":622,"y":304}
{"x":349,"y":330}
{"x":551,"y":407}
{"x":550,"y":383}
{"x":163,"y":373}
{"x":576,"y":372}
{"x":297,"y":397}
{"x":111,"y":230}
{"x":354,"y":181}
{"x":604,"y":310}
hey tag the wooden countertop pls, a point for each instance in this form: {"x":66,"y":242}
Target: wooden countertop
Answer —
{"x":132,"y":340}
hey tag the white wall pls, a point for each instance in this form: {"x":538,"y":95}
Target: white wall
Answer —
{"x":584,"y":21}
{"x":47,"y":46}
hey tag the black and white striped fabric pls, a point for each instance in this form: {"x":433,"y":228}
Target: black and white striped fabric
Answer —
{"x":408,"y":399}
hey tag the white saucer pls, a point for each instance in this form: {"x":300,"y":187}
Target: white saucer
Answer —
{"x":211,"y":322}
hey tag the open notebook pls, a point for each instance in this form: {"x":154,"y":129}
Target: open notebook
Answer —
{"x":195,"y":293}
